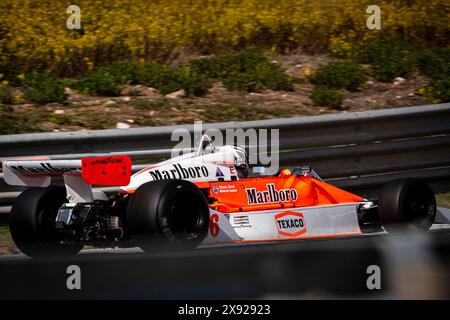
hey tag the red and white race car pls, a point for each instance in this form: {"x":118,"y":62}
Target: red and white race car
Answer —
{"x":204,"y":198}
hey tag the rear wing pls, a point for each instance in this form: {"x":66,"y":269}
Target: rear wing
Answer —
{"x":107,"y":171}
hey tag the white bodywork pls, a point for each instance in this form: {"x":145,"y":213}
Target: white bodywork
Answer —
{"x":263,"y":226}
{"x":38,"y":173}
{"x":208,"y":163}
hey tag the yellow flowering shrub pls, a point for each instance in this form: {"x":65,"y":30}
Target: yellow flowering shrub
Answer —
{"x":34,"y":36}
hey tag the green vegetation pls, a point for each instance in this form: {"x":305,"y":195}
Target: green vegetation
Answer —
{"x":7,"y":245}
{"x":193,"y":83}
{"x":385,"y":62}
{"x":393,"y":59}
{"x":443,"y":200}
{"x":340,"y":75}
{"x":168,"y":80}
{"x":387,"y":59}
{"x":6,"y":93}
{"x":327,"y":97}
{"x":4,"y":230}
{"x":23,"y":123}
{"x":109,"y":80}
{"x":434,"y":62}
{"x":43,"y":88}
{"x":244,"y":71}
{"x":99,"y":82}
{"x":438,"y":90}
{"x":26,"y":122}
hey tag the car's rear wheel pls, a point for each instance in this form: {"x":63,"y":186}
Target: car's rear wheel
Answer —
{"x":407,"y":204}
{"x":168,"y":214}
{"x":32,"y":223}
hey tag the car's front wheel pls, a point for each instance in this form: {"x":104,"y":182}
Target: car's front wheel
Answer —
{"x":407,"y":204}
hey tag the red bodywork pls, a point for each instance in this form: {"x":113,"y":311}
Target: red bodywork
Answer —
{"x":107,"y":171}
{"x":266,"y":193}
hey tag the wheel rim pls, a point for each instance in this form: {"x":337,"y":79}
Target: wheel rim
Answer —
{"x":418,"y":206}
{"x":186,"y":219}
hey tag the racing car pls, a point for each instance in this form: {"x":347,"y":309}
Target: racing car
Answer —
{"x":205,"y":198}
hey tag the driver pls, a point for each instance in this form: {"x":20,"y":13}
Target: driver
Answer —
{"x":241,"y":161}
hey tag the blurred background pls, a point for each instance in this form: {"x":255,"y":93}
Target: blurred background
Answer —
{"x":170,"y":62}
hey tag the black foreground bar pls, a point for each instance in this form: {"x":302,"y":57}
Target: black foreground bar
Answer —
{"x":329,"y":268}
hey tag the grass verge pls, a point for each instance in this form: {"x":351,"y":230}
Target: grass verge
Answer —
{"x":443,"y":200}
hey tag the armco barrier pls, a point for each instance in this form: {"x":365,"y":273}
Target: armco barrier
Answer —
{"x":358,"y":151}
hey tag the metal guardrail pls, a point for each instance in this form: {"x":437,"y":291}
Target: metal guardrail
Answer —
{"x":358,"y":151}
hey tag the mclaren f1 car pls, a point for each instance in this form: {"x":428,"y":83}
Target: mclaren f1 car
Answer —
{"x":209,"y":197}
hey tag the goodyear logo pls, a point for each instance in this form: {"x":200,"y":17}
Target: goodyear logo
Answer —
{"x":106,"y":161}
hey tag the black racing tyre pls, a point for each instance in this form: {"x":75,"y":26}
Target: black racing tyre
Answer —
{"x":32,"y":223}
{"x":407,"y":204}
{"x":168,"y":214}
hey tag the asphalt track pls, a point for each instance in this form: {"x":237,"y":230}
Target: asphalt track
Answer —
{"x":412,"y":266}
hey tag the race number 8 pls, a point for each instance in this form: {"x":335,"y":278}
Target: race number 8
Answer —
{"x":213,"y":225}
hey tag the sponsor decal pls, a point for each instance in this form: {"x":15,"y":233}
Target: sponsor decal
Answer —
{"x":219,"y":173}
{"x":179,"y":172}
{"x":232,"y":170}
{"x":225,"y":188}
{"x":46,"y":168}
{"x":290,"y":224}
{"x":270,"y":195}
{"x":241,"y":222}
{"x":106,"y":161}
